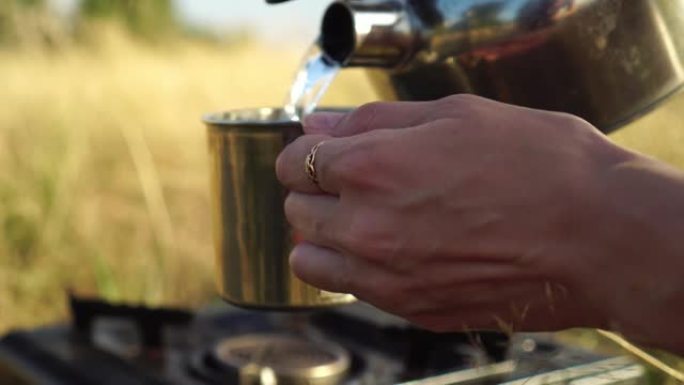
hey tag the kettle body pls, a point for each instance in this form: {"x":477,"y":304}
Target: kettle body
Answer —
{"x":607,"y":61}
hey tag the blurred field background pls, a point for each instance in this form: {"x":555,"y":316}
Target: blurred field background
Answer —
{"x":103,"y":169}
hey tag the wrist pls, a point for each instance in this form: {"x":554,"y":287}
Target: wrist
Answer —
{"x":642,"y":228}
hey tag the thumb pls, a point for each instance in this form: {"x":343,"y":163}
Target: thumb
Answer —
{"x":322,"y":122}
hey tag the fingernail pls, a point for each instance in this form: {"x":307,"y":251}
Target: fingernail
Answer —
{"x":321,"y":122}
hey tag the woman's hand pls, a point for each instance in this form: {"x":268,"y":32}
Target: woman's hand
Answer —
{"x":466,"y":213}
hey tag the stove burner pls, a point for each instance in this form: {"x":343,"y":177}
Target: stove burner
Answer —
{"x":174,"y":347}
{"x":284,"y":359}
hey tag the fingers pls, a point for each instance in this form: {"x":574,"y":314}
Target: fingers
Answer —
{"x":315,"y":217}
{"x":390,"y":115}
{"x":328,"y":164}
{"x":321,"y":122}
{"x":291,"y":164}
{"x":373,"y":116}
{"x":338,"y":131}
{"x":324,"y":268}
{"x":519,"y":307}
{"x":331,"y":270}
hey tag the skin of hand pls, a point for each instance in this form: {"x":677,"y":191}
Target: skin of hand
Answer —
{"x":465,"y":213}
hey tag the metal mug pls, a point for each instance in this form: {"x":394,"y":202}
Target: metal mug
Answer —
{"x":251,"y":234}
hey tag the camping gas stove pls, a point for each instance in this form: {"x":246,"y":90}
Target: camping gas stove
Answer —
{"x":356,"y":344}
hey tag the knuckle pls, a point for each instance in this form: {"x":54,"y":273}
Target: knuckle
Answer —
{"x":319,"y":229}
{"x":370,"y":237}
{"x":571,"y":126}
{"x":462,"y":104}
{"x":572,"y":121}
{"x":365,"y":115}
{"x":350,"y":169}
{"x":285,"y":160}
{"x":460,"y":99}
{"x":341,"y":167}
{"x":313,"y":227}
{"x":358,"y":167}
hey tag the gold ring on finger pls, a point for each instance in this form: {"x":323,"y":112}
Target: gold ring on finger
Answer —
{"x":310,"y":163}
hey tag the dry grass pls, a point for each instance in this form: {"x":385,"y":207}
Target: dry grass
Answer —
{"x":103,"y":176}
{"x":659,"y":134}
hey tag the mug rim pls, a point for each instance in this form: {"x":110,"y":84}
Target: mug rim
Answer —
{"x":259,"y":116}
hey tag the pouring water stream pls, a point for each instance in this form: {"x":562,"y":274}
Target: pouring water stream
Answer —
{"x":315,"y":74}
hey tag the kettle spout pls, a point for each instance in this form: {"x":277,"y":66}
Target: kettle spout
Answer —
{"x":362,"y":33}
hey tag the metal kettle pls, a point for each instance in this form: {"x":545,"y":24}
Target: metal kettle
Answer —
{"x":607,"y":61}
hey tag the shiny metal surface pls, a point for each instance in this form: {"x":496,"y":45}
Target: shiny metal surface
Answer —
{"x":284,"y":360}
{"x":251,"y":234}
{"x":607,"y":61}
